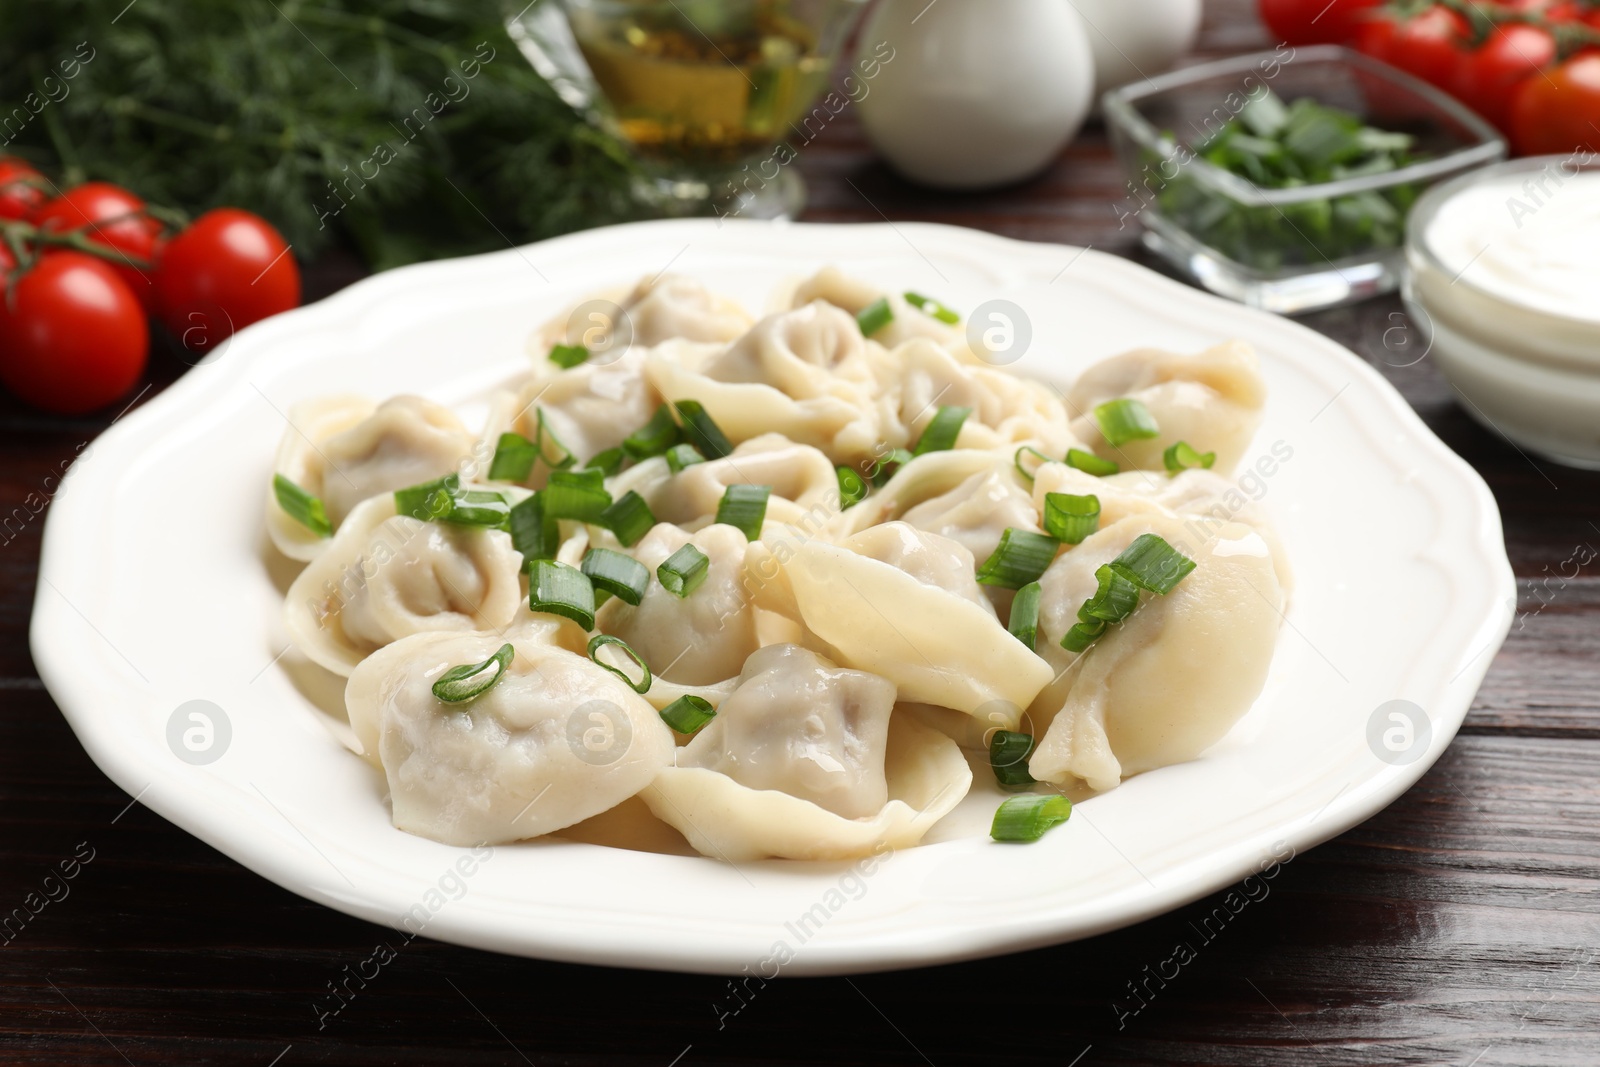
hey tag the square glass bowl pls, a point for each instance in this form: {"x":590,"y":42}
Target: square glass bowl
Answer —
{"x":1285,"y":250}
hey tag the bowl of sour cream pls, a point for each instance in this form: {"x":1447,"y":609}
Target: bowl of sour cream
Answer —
{"x":1504,"y":275}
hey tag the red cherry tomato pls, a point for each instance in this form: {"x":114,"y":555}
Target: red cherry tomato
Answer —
{"x":109,"y":215}
{"x":1301,"y":22}
{"x":1427,"y":46}
{"x":72,"y":338}
{"x":18,"y":198}
{"x":7,"y":261}
{"x":227,"y":270}
{"x":1486,"y":78}
{"x":1559,"y":112}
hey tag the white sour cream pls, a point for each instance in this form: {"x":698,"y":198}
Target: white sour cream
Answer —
{"x":1531,"y":239}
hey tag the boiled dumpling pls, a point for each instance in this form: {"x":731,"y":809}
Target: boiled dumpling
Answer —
{"x":387,"y":576}
{"x":300,"y":460}
{"x":1168,"y":681}
{"x":1203,"y":498}
{"x":406,"y":441}
{"x":804,"y":761}
{"x":929,"y":558}
{"x":663,"y":308}
{"x":586,"y":410}
{"x":805,"y":487}
{"x":919,"y":377}
{"x":968,"y":496}
{"x":801,"y":373}
{"x":699,"y":639}
{"x":1211,"y":400}
{"x":853,"y":295}
{"x":555,"y":741}
{"x":937,"y":645}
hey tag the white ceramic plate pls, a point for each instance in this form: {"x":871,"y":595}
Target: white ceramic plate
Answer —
{"x":155,"y":590}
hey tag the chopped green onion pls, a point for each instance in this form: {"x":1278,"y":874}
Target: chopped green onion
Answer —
{"x":1020,"y":558}
{"x":1082,"y":635}
{"x":702,"y":431}
{"x":1008,"y":758}
{"x":630,"y":518}
{"x":429,"y":501}
{"x":1151,"y":563}
{"x":688,"y":713}
{"x":301,"y":506}
{"x":561,"y":590}
{"x":1071,"y":518}
{"x":1181,"y":456}
{"x":654,"y":437}
{"x":684,"y":571}
{"x":461,"y":684}
{"x":608,"y":462}
{"x":1115,"y":598}
{"x":599,"y":641}
{"x":535,"y":534}
{"x":577,"y":495}
{"x":940,"y":434}
{"x":1024,"y":622}
{"x":1030,"y":450}
{"x":895,"y":458}
{"x":744,"y":507}
{"x":1125,"y":420}
{"x":681,"y":456}
{"x":930,"y":306}
{"x":853,"y":488}
{"x":1089,"y":463}
{"x":563,"y":457}
{"x":620,"y":575}
{"x":875,"y":316}
{"x":1028,"y":818}
{"x":478,"y":507}
{"x":514,"y":457}
{"x":568,"y":356}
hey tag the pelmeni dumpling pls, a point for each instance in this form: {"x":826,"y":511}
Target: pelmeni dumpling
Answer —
{"x":805,"y":487}
{"x":966,"y":495}
{"x":586,"y":410}
{"x":853,"y":295}
{"x":1205,"y":500}
{"x":919,"y":377}
{"x":555,"y":741}
{"x":1212,"y":400}
{"x":300,"y":460}
{"x":804,"y":761}
{"x":387,"y":576}
{"x":699,"y":639}
{"x":929,"y":558}
{"x":937,"y":646}
{"x":661,"y":308}
{"x":801,"y":373}
{"x":1167,"y":682}
{"x":406,"y":441}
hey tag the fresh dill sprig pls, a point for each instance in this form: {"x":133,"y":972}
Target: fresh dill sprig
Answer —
{"x":413,"y":127}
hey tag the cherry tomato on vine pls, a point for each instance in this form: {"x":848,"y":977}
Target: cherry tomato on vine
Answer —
{"x":1301,"y":22}
{"x":1559,"y":112}
{"x":1427,"y":45}
{"x":72,"y":338}
{"x":109,"y":215}
{"x":1485,"y":79}
{"x":227,"y":270}
{"x":18,"y":197}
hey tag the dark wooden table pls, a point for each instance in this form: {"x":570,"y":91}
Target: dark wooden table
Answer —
{"x":1460,"y":926}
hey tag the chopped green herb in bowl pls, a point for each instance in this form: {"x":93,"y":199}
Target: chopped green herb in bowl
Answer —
{"x":1274,"y":145}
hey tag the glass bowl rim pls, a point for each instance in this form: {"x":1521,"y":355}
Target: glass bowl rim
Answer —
{"x":1120,"y":110}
